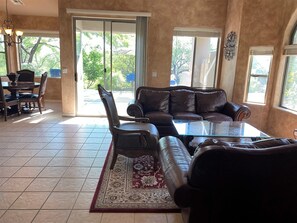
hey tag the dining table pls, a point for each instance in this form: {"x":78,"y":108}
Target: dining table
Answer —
{"x":15,"y":87}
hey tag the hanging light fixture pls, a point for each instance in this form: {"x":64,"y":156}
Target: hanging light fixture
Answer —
{"x":10,"y":36}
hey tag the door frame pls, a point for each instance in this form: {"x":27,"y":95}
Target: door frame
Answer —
{"x":104,"y":20}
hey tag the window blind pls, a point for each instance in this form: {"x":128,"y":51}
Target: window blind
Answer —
{"x":193,"y":32}
{"x":290,"y":50}
{"x":261,"y":50}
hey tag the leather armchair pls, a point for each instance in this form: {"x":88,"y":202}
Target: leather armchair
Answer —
{"x":133,"y":138}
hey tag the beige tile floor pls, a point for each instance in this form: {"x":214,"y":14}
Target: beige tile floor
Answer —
{"x":50,"y":166}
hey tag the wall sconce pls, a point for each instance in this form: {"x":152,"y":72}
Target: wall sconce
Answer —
{"x":230,"y":46}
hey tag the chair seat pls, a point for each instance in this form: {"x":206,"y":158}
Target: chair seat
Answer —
{"x":11,"y":99}
{"x":134,"y":141}
{"x":24,"y":93}
{"x":27,"y":95}
{"x":8,"y":98}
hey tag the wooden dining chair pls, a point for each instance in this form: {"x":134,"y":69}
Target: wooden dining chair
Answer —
{"x":38,"y":98}
{"x":7,"y":102}
{"x":26,"y":76}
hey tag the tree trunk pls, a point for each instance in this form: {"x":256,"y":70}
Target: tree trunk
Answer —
{"x":33,"y":50}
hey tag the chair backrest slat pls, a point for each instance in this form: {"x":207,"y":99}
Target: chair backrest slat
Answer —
{"x":110,"y":107}
{"x":43,"y":83}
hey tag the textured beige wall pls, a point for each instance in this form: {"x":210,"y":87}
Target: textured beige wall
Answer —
{"x":233,"y":23}
{"x":36,"y":23}
{"x":53,"y":89}
{"x":166,"y":15}
{"x":261,"y":25}
{"x":264,"y":23}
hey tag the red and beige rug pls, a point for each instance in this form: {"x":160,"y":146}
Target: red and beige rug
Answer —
{"x":132,"y":186}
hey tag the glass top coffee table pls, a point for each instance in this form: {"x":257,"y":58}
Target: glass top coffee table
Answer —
{"x":224,"y":129}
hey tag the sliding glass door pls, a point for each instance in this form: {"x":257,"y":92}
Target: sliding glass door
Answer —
{"x":105,"y":54}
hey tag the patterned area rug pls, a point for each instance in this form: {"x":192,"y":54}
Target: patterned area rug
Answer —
{"x":132,"y":186}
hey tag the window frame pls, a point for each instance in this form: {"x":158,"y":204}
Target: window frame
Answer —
{"x":258,"y":51}
{"x":199,"y":33}
{"x":45,"y":34}
{"x":289,"y":50}
{"x":5,"y":55}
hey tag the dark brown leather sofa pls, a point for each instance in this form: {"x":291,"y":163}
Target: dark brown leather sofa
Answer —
{"x":161,"y":105}
{"x":255,"y":182}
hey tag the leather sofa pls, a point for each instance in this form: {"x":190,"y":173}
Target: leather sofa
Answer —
{"x":224,"y":182}
{"x":162,"y":105}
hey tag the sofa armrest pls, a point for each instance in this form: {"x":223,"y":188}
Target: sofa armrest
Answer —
{"x":135,"y":109}
{"x":236,"y":111}
{"x":175,"y":162}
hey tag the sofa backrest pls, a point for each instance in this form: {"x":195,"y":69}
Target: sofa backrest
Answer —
{"x":260,"y":180}
{"x":214,"y":156}
{"x":154,"y":100}
{"x":181,"y":99}
{"x":210,"y":101}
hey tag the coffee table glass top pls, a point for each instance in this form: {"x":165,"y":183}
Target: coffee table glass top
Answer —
{"x":217,"y":129}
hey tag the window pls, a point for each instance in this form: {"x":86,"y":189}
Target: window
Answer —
{"x":258,"y":74}
{"x":289,"y":91}
{"x":194,"y":57}
{"x":40,"y":54}
{"x":3,"y":61}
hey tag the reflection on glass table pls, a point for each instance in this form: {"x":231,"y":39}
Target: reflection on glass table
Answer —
{"x":224,"y":129}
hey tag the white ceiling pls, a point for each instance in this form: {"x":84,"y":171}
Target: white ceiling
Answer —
{"x":31,"y":7}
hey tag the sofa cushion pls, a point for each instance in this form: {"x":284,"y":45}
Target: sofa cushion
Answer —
{"x":260,"y":144}
{"x":272,"y":142}
{"x":159,"y":118}
{"x":187,"y":116}
{"x":152,"y":100}
{"x":213,"y":101}
{"x":182,"y":101}
{"x":215,"y":117}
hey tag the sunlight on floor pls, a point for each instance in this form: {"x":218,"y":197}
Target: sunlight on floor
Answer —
{"x":85,"y":120}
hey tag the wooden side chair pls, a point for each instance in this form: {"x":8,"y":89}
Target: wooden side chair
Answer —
{"x":38,"y":98}
{"x":6,"y":102}
{"x":26,"y":76}
{"x":131,"y":139}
